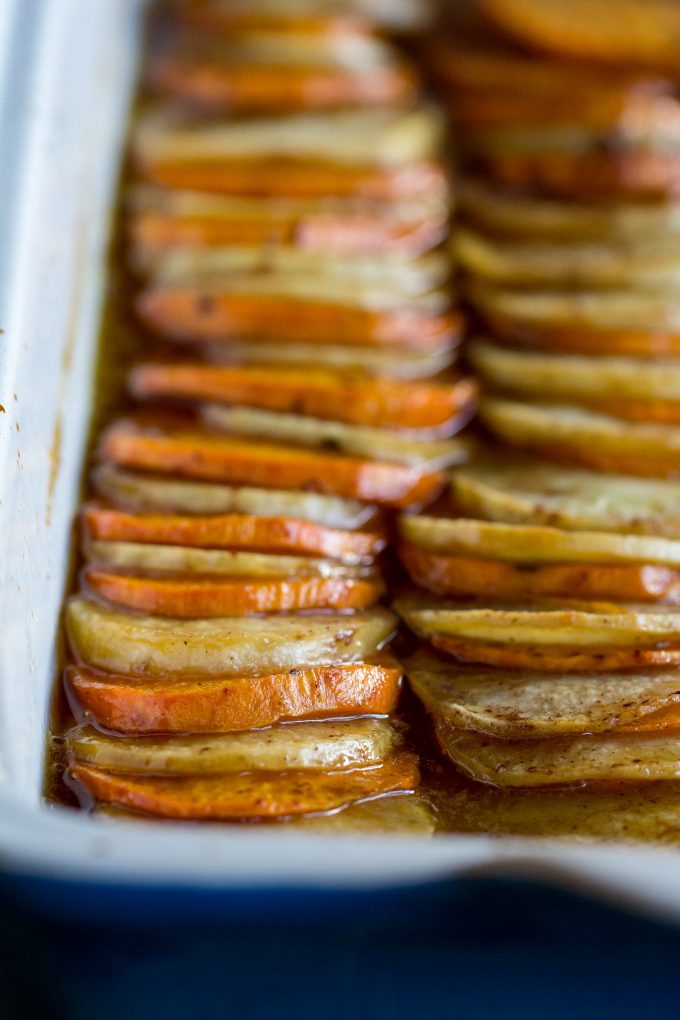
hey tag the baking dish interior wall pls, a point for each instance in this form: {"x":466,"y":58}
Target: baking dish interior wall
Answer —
{"x":67,"y":73}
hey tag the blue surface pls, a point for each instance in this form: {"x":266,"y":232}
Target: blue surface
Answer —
{"x":474,"y":950}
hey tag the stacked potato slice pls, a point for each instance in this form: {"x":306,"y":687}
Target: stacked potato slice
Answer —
{"x":553,"y":616}
{"x":227,"y":642}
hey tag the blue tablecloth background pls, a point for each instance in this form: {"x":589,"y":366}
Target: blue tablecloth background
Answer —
{"x":471,"y":950}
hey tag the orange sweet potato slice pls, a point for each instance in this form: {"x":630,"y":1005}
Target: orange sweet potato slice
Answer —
{"x":226,"y":704}
{"x":203,"y":455}
{"x":351,"y":398}
{"x":194,"y":316}
{"x":356,"y":234}
{"x":250,"y":795}
{"x":296,"y":178}
{"x":233,"y":531}
{"x":459,"y":575}
{"x":259,"y":88}
{"x":662,"y":412}
{"x":584,"y":340}
{"x":196,"y":598}
{"x":557,"y":658}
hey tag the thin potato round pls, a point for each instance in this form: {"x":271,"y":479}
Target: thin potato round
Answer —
{"x":140,"y":492}
{"x":178,"y":559}
{"x":204,"y":456}
{"x":595,"y":440}
{"x":495,"y":579}
{"x":202,"y":598}
{"x":525,"y":491}
{"x":253,"y":795}
{"x":223,"y":704}
{"x":601,"y":757}
{"x":309,"y":745}
{"x":405,"y":815}
{"x":524,"y":216}
{"x":545,"y":376}
{"x":533,"y":544}
{"x":644,"y":265}
{"x":358,"y":440}
{"x":232,"y":531}
{"x":351,"y":398}
{"x":534,"y":704}
{"x":570,"y":622}
{"x":155,"y":646}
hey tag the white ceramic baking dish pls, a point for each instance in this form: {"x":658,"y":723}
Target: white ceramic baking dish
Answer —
{"x":66,"y":76}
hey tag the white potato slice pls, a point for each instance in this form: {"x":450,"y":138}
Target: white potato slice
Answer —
{"x":401,"y":815}
{"x":357,"y":743}
{"x":500,"y":212}
{"x":168,"y":495}
{"x":515,"y":704}
{"x":608,"y":757}
{"x":645,"y":265}
{"x":214,"y":266}
{"x":632,"y":813}
{"x":354,"y":52}
{"x":549,"y":622}
{"x":523,"y":490}
{"x":653,"y":137}
{"x":533,"y":544}
{"x":586,"y":309}
{"x":392,"y":14}
{"x":178,"y":559}
{"x":575,"y":377}
{"x":372,"y":360}
{"x":576,"y":429}
{"x":249,"y":645}
{"x":358,"y":440}
{"x":368,"y":136}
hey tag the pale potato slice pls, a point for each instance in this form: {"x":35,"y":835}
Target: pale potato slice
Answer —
{"x":588,"y":309}
{"x":391,"y":14}
{"x":396,"y":815}
{"x":575,"y":377}
{"x":634,"y":813}
{"x":502,"y":212}
{"x":549,"y":622}
{"x":645,"y":264}
{"x":578,"y":430}
{"x":177,"y":559}
{"x":248,"y":645}
{"x":352,"y":292}
{"x":608,"y":757}
{"x":358,"y":440}
{"x":356,"y":743}
{"x":533,"y":544}
{"x":519,"y":704}
{"x":660,"y":136}
{"x":372,"y":360}
{"x":181,"y":202}
{"x":133,"y":491}
{"x":523,"y":490}
{"x":213,"y":266}
{"x":368,"y":136}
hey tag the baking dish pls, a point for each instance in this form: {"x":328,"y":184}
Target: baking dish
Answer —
{"x":66,"y":77}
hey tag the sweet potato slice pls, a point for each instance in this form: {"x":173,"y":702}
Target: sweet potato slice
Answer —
{"x":190,"y":598}
{"x":222,"y":704}
{"x":460,"y":575}
{"x":244,"y":645}
{"x":294,"y":178}
{"x":558,"y":658}
{"x":250,"y":795}
{"x":233,"y":531}
{"x":258,"y":88}
{"x":352,"y":398}
{"x":343,"y":744}
{"x":599,"y":757}
{"x":521,"y":704}
{"x":139,"y":492}
{"x":202,"y":455}
{"x":198,"y":316}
